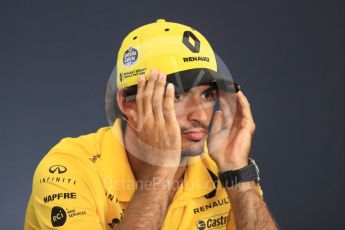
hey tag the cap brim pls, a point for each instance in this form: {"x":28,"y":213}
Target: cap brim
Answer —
{"x":187,"y":79}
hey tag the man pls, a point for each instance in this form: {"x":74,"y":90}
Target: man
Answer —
{"x":178,"y":158}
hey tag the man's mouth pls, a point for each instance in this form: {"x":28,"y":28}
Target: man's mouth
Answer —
{"x":195,"y":134}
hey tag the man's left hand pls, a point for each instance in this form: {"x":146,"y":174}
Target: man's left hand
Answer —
{"x":230,"y":137}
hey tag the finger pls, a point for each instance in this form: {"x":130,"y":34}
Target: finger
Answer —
{"x":224,"y":101}
{"x":168,"y":109}
{"x":149,"y":92}
{"x":157,"y":100}
{"x":139,"y":96}
{"x":134,"y":115}
{"x":245,"y":111}
{"x":216,"y":122}
{"x":244,"y":105}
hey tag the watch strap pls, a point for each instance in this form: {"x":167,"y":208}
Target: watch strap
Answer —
{"x":247,"y":173}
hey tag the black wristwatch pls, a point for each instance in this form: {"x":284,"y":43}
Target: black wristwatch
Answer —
{"x":247,"y":173}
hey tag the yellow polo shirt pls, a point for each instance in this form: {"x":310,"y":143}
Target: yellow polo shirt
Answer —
{"x":87,"y":183}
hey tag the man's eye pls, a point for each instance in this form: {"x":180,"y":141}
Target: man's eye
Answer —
{"x":179,"y":96}
{"x":208,"y":95}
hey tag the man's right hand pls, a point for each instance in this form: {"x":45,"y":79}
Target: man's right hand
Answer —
{"x":159,"y":141}
{"x":158,"y":130}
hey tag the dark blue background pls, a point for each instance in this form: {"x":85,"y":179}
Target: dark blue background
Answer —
{"x":289,"y":56}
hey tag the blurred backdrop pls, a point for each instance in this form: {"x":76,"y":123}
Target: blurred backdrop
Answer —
{"x":289,"y":56}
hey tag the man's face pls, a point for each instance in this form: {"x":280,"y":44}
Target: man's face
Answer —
{"x":194,"y":111}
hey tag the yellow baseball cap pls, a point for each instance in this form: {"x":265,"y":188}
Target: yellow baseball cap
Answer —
{"x":177,"y":50}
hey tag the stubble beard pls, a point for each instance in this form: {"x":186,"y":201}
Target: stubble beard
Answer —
{"x":194,"y":149}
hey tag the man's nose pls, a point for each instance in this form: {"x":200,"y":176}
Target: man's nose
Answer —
{"x":197,"y":111}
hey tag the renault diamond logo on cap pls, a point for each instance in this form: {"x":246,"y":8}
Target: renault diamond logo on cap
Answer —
{"x":195,"y":48}
{"x":130,"y":56}
{"x":57,"y":168}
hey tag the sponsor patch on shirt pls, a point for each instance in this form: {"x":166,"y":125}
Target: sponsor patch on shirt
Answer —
{"x":212,"y":222}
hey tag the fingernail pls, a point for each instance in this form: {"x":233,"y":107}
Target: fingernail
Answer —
{"x":161,"y":75}
{"x":142,"y":78}
{"x":170,"y":86}
{"x":154,"y":71}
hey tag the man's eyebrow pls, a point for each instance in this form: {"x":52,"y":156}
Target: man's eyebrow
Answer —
{"x":211,"y":87}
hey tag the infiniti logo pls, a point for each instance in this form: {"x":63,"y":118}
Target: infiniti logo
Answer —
{"x":57,"y":168}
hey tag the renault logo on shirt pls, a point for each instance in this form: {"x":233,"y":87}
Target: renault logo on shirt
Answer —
{"x":57,"y":169}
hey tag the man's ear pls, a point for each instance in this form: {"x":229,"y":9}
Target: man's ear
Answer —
{"x":128,"y":108}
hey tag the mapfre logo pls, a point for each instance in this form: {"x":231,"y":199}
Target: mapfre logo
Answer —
{"x":57,"y":169}
{"x":58,"y":216}
{"x":58,"y":196}
{"x":212,"y":222}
